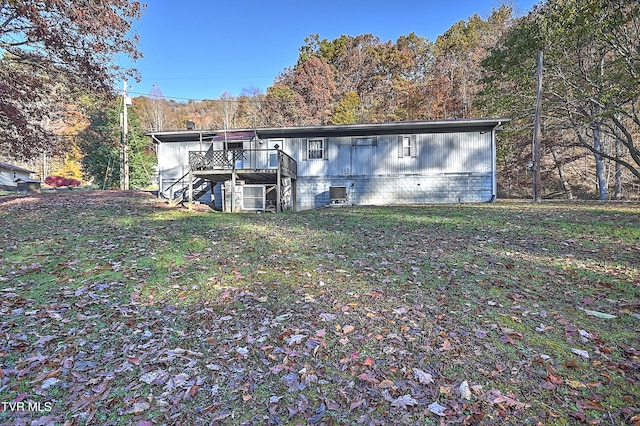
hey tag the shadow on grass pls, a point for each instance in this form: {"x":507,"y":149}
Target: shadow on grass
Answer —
{"x":281,"y":315}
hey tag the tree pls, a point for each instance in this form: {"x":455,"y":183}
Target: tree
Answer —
{"x":313,"y":81}
{"x":458,"y":53}
{"x":592,"y":75}
{"x":100,"y":143}
{"x":49,"y":52}
{"x":346,"y":110}
{"x":281,"y":106}
{"x":153,"y":110}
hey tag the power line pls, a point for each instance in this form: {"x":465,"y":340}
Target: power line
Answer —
{"x":146,"y":95}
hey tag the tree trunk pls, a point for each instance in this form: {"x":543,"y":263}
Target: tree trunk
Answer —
{"x":563,"y":179}
{"x":617,"y":192}
{"x":602,"y":181}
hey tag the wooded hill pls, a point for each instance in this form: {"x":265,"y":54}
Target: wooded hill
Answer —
{"x":480,"y":67}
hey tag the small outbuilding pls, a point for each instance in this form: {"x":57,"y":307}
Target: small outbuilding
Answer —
{"x":10,"y":174}
{"x":27,"y":185}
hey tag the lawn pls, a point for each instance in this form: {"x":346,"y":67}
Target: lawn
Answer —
{"x":115,"y":309}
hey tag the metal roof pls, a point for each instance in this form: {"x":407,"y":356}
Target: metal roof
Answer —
{"x":370,"y":129}
{"x":13,"y":168}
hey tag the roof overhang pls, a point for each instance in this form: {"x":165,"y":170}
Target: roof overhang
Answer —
{"x":372,"y":129}
{"x":13,"y":168}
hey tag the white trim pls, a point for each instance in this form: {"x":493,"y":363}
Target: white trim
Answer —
{"x":322,"y":150}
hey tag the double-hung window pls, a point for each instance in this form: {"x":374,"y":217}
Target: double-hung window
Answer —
{"x":407,"y":146}
{"x":315,"y":149}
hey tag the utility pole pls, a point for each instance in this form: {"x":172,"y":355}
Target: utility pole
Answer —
{"x":535,"y":167}
{"x":124,"y":176}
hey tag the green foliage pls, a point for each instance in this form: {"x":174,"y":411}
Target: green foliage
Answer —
{"x":101,"y":145}
{"x":346,"y":111}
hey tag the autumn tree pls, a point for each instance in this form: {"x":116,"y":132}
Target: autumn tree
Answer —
{"x":346,"y":110}
{"x":152,"y":110}
{"x":313,"y":81}
{"x":457,"y":74}
{"x":591,"y":77}
{"x":281,"y":106}
{"x":51,"y":51}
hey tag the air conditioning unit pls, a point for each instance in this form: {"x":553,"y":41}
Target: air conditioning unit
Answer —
{"x":338,"y":194}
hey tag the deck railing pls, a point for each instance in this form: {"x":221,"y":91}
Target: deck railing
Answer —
{"x":251,"y":159}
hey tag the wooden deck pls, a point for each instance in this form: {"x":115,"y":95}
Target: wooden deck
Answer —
{"x":255,"y":165}
{"x":269,"y":167}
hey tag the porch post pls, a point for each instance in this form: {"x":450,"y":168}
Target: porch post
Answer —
{"x":233,"y":188}
{"x":190,"y":190}
{"x":279,"y":183}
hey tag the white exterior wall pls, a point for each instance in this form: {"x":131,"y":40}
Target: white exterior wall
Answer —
{"x":173,"y":161}
{"x":443,"y":168}
{"x":8,"y":177}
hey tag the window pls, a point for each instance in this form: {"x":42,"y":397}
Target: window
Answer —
{"x":253,"y":197}
{"x":407,"y":146}
{"x":370,"y":141}
{"x":315,"y":149}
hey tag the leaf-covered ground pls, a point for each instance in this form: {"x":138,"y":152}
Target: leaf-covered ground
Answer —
{"x":117,"y":310}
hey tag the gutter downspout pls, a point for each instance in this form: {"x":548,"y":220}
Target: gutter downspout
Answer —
{"x":157,"y":149}
{"x":494,"y":164}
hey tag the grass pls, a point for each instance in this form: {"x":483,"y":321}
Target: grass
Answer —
{"x":118,"y":310}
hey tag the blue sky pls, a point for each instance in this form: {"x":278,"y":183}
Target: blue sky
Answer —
{"x":198,"y":49}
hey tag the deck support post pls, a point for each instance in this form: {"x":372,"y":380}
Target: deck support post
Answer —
{"x":233,"y":189}
{"x":190,"y":190}
{"x":279,"y":184}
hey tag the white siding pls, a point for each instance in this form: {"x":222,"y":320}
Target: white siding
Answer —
{"x":444,"y":167}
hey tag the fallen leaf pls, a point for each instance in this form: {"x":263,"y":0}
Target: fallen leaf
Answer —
{"x":356,"y":403}
{"x":327,"y":317}
{"x":575,"y":384}
{"x":505,"y":338}
{"x":368,"y":378}
{"x":465,"y":391}
{"x":598,"y":314}
{"x":424,"y":378}
{"x":404,"y":401}
{"x":582,"y":353}
{"x":446,"y":345}
{"x":436,"y":408}
{"x":49,"y":383}
{"x":133,"y":360}
{"x":347,"y":329}
{"x":386,"y":383}
{"x":496,"y":397}
{"x":295,"y":339}
{"x":139,"y":407}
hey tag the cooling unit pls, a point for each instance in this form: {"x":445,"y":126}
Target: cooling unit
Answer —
{"x":338,"y":194}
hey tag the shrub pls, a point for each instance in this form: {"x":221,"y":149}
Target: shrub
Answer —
{"x":58,"y":181}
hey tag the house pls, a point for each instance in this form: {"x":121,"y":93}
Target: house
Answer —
{"x":299,"y":168}
{"x":10,"y":175}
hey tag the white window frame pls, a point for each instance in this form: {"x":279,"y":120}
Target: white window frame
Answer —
{"x":321,"y":151}
{"x":407,"y":146}
{"x":261,"y":198}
